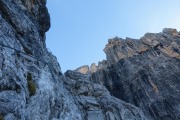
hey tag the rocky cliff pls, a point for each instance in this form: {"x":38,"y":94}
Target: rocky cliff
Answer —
{"x":32,"y":86}
{"x":144,"y":72}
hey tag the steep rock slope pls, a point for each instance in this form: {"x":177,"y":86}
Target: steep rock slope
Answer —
{"x":32,"y":86}
{"x":96,"y":102}
{"x":143,"y":72}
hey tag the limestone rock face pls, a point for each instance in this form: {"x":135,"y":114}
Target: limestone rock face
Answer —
{"x":145,"y":73}
{"x":138,"y":81}
{"x":32,"y":86}
{"x":96,"y":102}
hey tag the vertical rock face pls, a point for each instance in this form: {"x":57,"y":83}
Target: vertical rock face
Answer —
{"x":32,"y":86}
{"x":138,"y":81}
{"x":145,"y":73}
{"x":96,"y":102}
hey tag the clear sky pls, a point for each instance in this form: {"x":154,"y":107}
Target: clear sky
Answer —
{"x":81,"y":28}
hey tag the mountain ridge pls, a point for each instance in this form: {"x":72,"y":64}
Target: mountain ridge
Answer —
{"x":144,"y":72}
{"x":32,"y":86}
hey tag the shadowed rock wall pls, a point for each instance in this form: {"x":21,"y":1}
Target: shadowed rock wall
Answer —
{"x":32,"y":86}
{"x":145,"y":73}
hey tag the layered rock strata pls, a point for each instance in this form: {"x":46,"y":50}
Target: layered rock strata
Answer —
{"x":32,"y":86}
{"x":144,"y":72}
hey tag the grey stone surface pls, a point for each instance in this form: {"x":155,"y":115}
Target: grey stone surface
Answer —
{"x":138,"y":81}
{"x":96,"y":101}
{"x":32,"y":86}
{"x":145,"y":73}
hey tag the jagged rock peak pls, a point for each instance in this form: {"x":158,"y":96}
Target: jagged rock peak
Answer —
{"x":171,"y":31}
{"x":83,"y":69}
{"x":145,"y":73}
{"x":93,"y":68}
{"x":138,"y":81}
{"x":32,"y":86}
{"x":86,"y":69}
{"x":118,"y":48}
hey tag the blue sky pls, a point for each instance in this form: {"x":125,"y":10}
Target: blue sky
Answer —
{"x":80,"y":29}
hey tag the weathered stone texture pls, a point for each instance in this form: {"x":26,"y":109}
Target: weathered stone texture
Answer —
{"x":32,"y":86}
{"x":145,"y":73}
